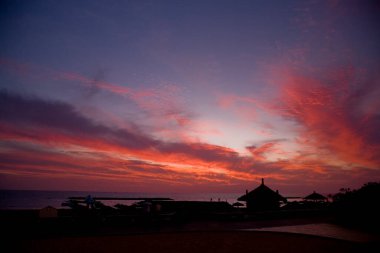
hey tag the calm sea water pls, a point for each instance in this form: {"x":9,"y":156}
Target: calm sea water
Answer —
{"x":14,"y":199}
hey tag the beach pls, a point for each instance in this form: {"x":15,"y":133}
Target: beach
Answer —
{"x":201,"y":241}
{"x":250,"y":234}
{"x":181,"y":226}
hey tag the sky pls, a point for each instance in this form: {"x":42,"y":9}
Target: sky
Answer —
{"x":189,"y":96}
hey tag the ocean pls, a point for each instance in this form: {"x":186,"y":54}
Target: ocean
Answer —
{"x":21,"y":199}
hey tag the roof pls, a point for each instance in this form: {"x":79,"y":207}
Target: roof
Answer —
{"x":262,"y":192}
{"x":315,"y":196}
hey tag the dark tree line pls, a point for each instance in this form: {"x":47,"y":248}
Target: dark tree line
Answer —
{"x":359,"y":207}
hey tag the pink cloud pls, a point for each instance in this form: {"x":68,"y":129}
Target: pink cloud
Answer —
{"x":336,"y":113}
{"x":259,"y":152}
{"x":164,"y":105}
{"x":113,"y":88}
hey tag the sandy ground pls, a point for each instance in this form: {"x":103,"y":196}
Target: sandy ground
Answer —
{"x":21,"y":235}
{"x":325,"y":230}
{"x":207,"y":241}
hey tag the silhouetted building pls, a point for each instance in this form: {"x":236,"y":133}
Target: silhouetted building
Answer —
{"x":262,"y":198}
{"x":316,"y":197}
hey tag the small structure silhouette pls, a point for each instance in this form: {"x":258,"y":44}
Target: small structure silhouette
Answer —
{"x":262,"y":198}
{"x":315,"y":197}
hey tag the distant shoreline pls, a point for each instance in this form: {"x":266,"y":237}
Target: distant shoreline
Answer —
{"x":35,"y":199}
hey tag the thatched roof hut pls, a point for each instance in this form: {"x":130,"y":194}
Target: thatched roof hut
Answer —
{"x":262,"y":198}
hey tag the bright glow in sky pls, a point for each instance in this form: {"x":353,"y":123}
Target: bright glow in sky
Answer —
{"x":189,"y":96}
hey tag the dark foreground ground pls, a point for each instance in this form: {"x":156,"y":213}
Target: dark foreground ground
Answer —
{"x":201,"y":241}
{"x":23,"y":232}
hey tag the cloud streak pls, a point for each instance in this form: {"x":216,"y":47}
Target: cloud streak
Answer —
{"x":162,"y":106}
{"x":56,"y":123}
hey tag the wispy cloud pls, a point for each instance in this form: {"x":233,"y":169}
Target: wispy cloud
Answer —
{"x":337,"y":112}
{"x":162,"y":107}
{"x":59,"y":124}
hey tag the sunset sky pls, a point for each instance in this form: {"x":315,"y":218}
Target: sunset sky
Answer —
{"x":189,"y":96}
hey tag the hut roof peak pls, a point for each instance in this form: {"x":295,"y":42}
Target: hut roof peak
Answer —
{"x":315,"y":196}
{"x":262,"y":191}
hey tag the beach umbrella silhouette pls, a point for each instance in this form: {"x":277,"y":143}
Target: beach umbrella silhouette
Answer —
{"x":315,"y":197}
